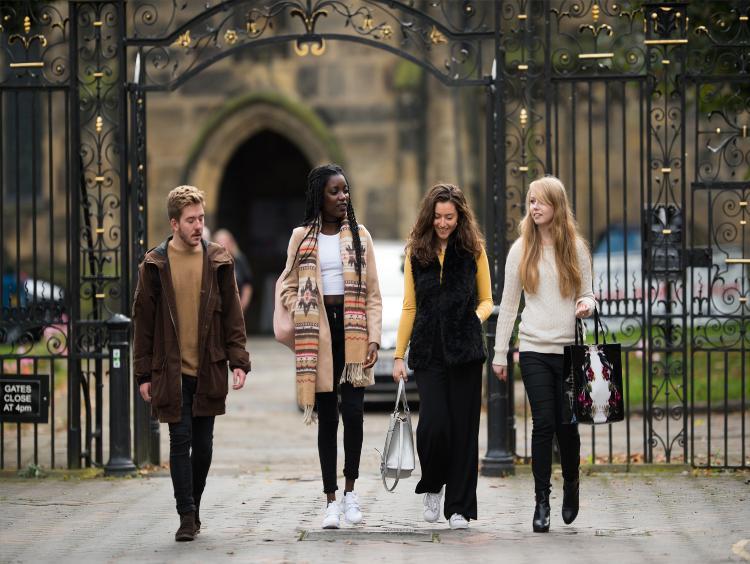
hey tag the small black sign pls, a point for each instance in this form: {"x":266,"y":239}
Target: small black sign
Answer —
{"x":24,"y":399}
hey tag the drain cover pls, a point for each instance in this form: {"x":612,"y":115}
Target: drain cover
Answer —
{"x":379,"y":534}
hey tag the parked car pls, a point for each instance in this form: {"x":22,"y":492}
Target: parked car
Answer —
{"x":389,"y":258}
{"x":618,"y":281}
{"x":27,"y":312}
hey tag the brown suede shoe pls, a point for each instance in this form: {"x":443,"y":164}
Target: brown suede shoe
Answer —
{"x":186,"y":532}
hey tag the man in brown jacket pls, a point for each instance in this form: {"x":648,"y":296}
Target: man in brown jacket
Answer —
{"x":188,"y":325}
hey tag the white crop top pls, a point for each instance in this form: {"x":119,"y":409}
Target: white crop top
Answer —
{"x":331,"y":267}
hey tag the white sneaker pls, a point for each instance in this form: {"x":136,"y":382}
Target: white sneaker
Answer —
{"x":458,"y":521}
{"x":331,"y":518}
{"x":432,"y":506}
{"x":352,"y":511}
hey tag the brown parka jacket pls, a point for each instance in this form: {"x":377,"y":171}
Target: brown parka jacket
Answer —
{"x":156,"y":349}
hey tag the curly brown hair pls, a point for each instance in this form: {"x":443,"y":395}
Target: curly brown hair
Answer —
{"x":423,"y":241}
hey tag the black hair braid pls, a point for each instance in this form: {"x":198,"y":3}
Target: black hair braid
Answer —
{"x":316,"y":183}
{"x":355,"y":239}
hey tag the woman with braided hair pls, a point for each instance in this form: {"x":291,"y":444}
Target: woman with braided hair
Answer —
{"x":330,"y":287}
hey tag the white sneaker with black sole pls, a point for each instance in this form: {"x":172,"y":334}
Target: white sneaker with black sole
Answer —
{"x":431,"y":504}
{"x":458,"y":521}
{"x":331,"y":520}
{"x":352,"y":511}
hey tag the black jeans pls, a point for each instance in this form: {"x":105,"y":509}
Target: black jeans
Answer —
{"x":543,"y":378}
{"x":190,"y":450}
{"x":450,"y":401}
{"x":352,"y":412}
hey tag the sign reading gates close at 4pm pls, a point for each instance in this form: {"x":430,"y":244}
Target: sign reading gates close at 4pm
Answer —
{"x":24,"y":399}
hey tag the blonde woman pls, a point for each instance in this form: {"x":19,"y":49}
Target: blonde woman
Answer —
{"x":447,"y":296}
{"x":551,"y":264}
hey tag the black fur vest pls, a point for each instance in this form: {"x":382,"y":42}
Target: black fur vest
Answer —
{"x":448,"y":307}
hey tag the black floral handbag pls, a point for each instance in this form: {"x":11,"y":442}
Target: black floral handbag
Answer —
{"x":592,"y":384}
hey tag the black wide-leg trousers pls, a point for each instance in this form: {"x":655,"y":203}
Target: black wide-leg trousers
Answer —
{"x":450,"y":399}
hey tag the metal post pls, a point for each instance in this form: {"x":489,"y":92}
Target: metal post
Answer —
{"x":73,"y":235}
{"x":146,"y":439}
{"x":120,"y":463}
{"x":500,"y":417}
{"x":154,"y":452}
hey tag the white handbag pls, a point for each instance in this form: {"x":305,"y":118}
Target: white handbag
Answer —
{"x":397,"y":459}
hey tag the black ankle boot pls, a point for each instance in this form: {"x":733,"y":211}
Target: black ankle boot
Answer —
{"x":541,"y":512}
{"x":570,"y":501}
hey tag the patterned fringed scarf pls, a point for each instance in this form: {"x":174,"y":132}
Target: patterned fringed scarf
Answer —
{"x":307,"y":318}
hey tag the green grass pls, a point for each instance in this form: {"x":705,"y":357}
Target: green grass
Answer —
{"x":708,"y":370}
{"x":725,"y":369}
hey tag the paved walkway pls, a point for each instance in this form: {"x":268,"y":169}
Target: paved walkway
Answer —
{"x":263,"y":503}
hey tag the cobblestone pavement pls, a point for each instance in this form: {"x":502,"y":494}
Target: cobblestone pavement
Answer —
{"x":263,"y":503}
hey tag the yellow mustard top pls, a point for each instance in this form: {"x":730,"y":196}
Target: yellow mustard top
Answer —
{"x":409,"y":309}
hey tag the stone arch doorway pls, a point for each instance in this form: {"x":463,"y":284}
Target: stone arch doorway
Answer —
{"x":252,"y":159}
{"x":261,"y":199}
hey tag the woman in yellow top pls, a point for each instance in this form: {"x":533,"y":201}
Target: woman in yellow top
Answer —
{"x":447,"y":296}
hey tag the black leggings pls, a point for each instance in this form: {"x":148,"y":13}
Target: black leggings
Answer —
{"x":543,"y":376}
{"x":352,"y":412}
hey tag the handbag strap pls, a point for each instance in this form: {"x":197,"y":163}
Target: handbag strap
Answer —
{"x":580,"y":340}
{"x":400,"y":462}
{"x":401,"y":396}
{"x":579,"y":332}
{"x":598,"y":325}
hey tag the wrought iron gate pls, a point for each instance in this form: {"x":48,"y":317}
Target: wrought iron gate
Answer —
{"x":64,"y":254}
{"x":640,"y":107}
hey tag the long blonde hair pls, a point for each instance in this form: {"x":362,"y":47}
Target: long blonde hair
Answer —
{"x":564,"y":228}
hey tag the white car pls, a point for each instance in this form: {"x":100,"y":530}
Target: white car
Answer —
{"x":389,"y":259}
{"x":25,"y":314}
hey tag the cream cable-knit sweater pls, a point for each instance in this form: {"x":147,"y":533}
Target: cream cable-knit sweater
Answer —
{"x":548,"y":319}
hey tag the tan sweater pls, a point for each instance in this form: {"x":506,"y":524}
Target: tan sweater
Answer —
{"x":548,"y":319}
{"x":186,"y":268}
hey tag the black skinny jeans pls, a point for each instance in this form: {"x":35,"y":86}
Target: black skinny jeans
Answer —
{"x":450,"y":401}
{"x":190,"y":450}
{"x":352,"y":412}
{"x":543,"y":378}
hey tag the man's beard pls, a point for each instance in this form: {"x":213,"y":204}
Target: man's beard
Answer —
{"x":188,"y":240}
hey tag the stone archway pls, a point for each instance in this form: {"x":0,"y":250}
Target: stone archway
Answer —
{"x":260,"y":200}
{"x":241,"y":119}
{"x":251,"y":160}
